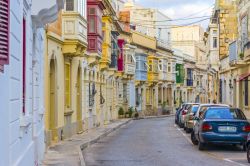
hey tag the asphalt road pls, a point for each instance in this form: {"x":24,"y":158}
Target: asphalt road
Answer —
{"x":158,"y":142}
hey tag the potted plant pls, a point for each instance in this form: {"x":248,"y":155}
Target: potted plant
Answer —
{"x":127,"y":114}
{"x":165,"y":111}
{"x":130,"y":112}
{"x":121,"y":112}
{"x":159,"y":101}
{"x":136,"y":115}
{"x":241,"y":55}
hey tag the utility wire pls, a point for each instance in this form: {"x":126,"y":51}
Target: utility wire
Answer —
{"x":163,"y":24}
{"x":199,"y":11}
{"x":167,"y":26}
{"x":180,"y":19}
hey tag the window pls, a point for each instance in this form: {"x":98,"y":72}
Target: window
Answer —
{"x":150,"y":67}
{"x":160,"y":67}
{"x":4,"y":33}
{"x":92,"y":25}
{"x":137,"y":65}
{"x":82,"y":7}
{"x":24,"y":65}
{"x":214,"y":42}
{"x":67,"y":85}
{"x":148,"y":96}
{"x":246,"y":92}
{"x":92,"y":11}
{"x":69,"y":5}
{"x":169,"y":67}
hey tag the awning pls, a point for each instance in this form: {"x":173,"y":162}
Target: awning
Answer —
{"x":244,"y":76}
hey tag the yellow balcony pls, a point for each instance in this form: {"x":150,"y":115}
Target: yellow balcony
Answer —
{"x":143,"y":40}
{"x":153,"y":73}
{"x":74,"y":32}
{"x":106,"y":57}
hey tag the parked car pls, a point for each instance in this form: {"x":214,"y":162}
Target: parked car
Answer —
{"x":221,"y":125}
{"x":189,"y":118}
{"x":203,"y":107}
{"x":177,"y":114}
{"x":248,"y":148}
{"x":183,"y":113}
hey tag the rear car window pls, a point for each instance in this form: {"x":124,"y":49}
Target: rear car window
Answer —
{"x":224,"y":113}
{"x":195,"y":109}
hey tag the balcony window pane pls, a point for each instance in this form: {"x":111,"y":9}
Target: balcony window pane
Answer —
{"x":92,"y":25}
{"x":215,"y":42}
{"x":69,"y":5}
{"x":92,"y":11}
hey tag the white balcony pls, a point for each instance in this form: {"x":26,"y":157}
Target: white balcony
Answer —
{"x":74,"y":30}
{"x":130,"y":69}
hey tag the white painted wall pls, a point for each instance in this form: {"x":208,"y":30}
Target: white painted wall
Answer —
{"x":22,"y":141}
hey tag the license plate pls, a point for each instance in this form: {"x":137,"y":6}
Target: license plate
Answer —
{"x":227,"y":129}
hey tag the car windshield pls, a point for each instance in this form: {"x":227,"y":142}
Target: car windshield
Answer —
{"x":224,"y":113}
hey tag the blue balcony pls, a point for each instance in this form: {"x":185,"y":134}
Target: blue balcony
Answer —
{"x":141,"y":67}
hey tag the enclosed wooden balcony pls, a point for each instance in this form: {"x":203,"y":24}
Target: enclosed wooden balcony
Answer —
{"x":153,"y":73}
{"x":74,"y":32}
{"x":130,"y":60}
{"x":106,"y":45}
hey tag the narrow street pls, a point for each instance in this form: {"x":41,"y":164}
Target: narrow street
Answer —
{"x":157,"y":142}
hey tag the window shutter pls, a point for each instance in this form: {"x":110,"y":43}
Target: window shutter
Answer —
{"x":4,"y":33}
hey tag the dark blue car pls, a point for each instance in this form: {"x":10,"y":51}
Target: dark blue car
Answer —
{"x":220,"y":125}
{"x":177,"y":114}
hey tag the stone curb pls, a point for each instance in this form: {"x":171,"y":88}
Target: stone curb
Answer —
{"x":153,"y":117}
{"x":95,"y":140}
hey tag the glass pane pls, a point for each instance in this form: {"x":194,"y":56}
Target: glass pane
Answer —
{"x":92,"y":25}
{"x":92,"y":11}
{"x":69,"y":5}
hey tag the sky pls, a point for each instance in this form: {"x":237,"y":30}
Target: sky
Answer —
{"x":176,"y":9}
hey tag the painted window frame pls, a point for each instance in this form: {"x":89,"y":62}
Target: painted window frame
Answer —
{"x":24,"y":64}
{"x":4,"y":58}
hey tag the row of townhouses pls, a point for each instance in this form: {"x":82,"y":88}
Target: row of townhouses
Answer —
{"x":69,"y":66}
{"x":228,"y":51}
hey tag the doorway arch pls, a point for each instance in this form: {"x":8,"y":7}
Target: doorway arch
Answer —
{"x":52,"y":101}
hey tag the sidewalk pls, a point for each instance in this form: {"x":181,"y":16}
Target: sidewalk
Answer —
{"x":69,"y":152}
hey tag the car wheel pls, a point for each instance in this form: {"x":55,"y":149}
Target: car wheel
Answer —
{"x":188,"y":130}
{"x":248,"y":154}
{"x":193,"y":139}
{"x":201,"y":146}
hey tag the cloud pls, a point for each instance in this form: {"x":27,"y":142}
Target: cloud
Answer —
{"x":176,"y":9}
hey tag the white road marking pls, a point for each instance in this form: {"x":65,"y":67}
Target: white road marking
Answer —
{"x":231,"y":161}
{"x":210,"y":154}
